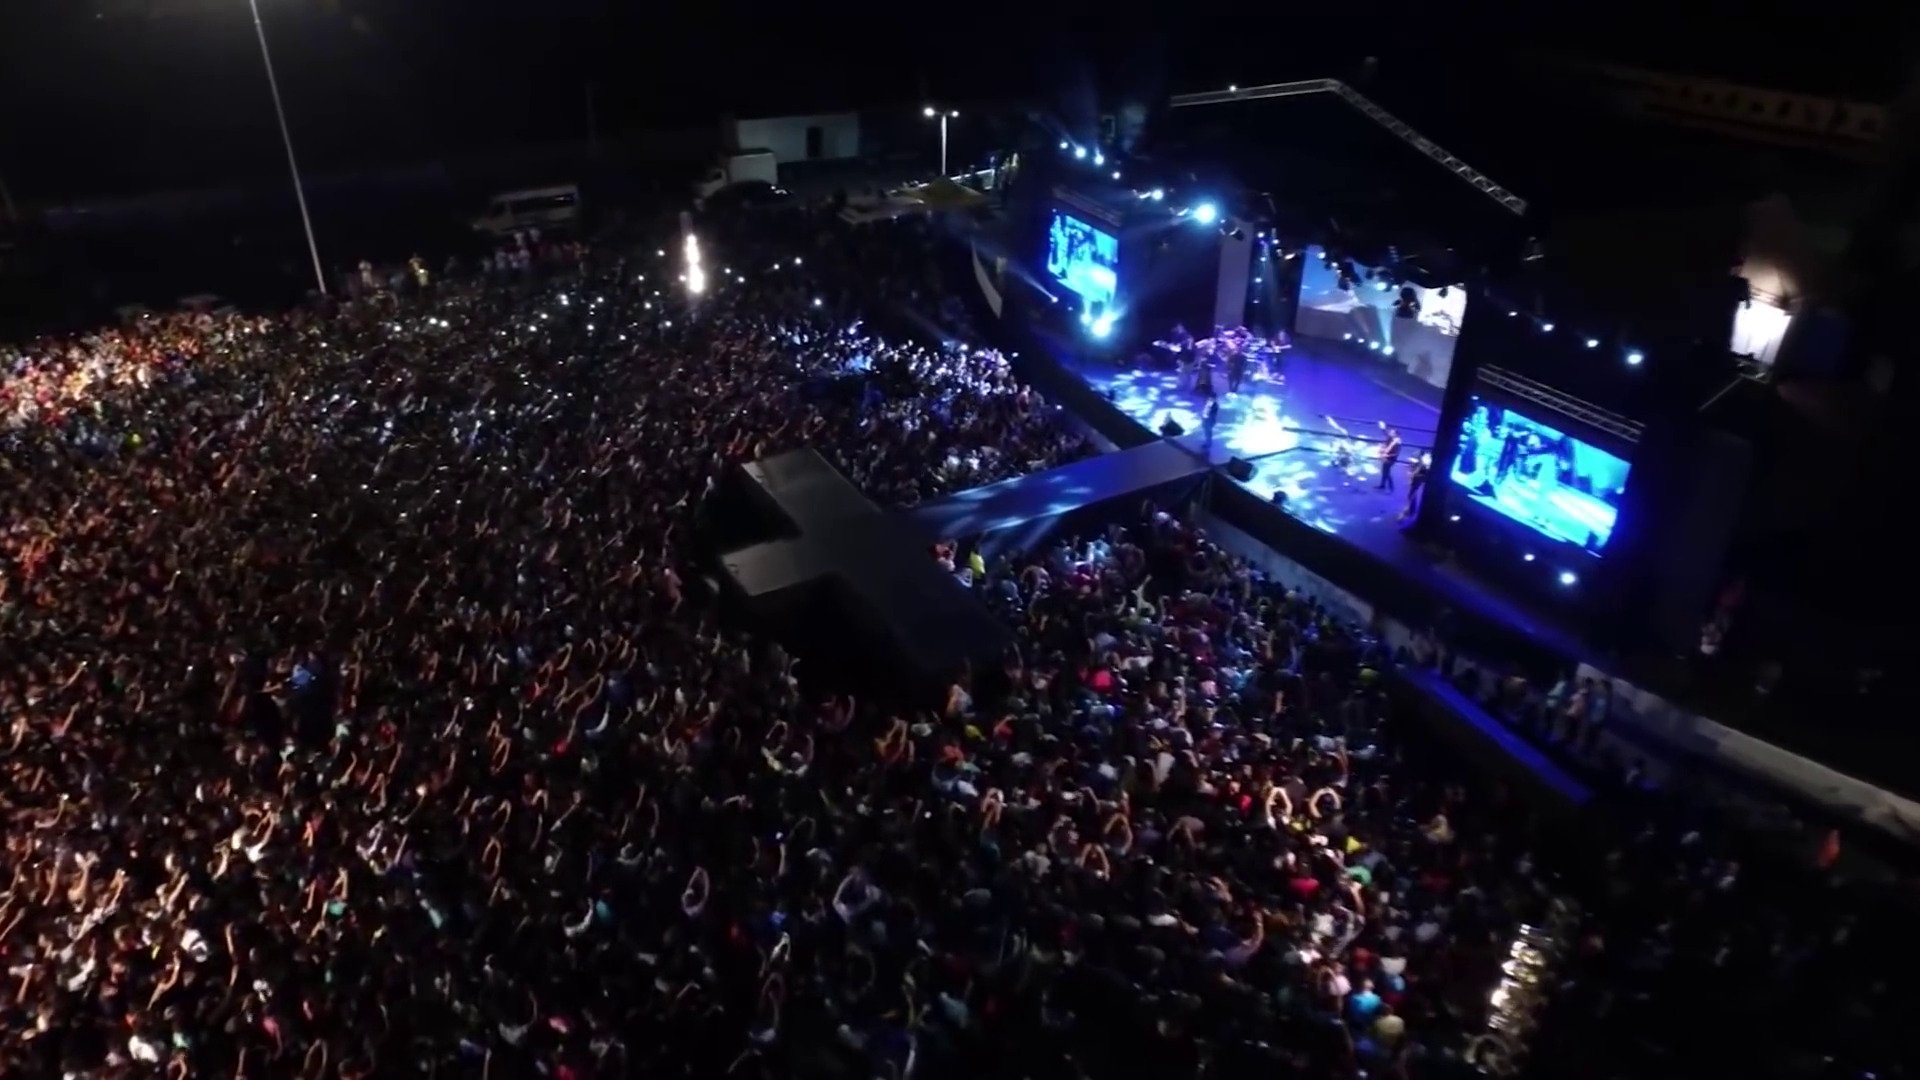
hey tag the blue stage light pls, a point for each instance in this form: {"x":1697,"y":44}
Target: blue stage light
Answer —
{"x":1347,"y":336}
{"x":1099,"y":158}
{"x":1374,"y":345}
{"x":1206,"y":213}
{"x":1546,"y":328}
{"x":1593,"y":343}
{"x":1636,"y":358}
{"x":1528,"y":556}
{"x":1568,"y":578}
{"x":1102,"y":326}
{"x":1080,"y":153}
{"x":1065,"y":145}
{"x":1157,"y":194}
{"x":1387,"y":349}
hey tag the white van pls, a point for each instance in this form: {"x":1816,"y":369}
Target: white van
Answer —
{"x":537,"y":208}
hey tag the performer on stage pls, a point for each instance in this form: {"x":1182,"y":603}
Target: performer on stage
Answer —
{"x":1203,"y":380}
{"x":1389,"y":457}
{"x":1416,"y":480}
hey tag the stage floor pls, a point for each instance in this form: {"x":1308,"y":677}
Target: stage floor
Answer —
{"x":1285,"y":431}
{"x":1290,"y":432}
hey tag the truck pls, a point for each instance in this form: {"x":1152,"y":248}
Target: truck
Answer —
{"x":739,"y":167}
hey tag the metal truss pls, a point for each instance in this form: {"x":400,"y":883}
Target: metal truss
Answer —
{"x":1480,"y":181}
{"x":1592,"y":415}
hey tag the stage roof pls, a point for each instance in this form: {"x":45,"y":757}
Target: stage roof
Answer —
{"x":1330,"y":166}
{"x":1546,"y":135}
{"x":1056,"y":491}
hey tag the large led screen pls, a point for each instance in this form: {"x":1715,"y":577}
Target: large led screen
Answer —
{"x":1085,"y":260}
{"x":1536,"y":474}
{"x":1421,"y":340}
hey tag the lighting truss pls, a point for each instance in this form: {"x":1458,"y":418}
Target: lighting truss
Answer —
{"x":1480,"y":181}
{"x":1593,"y":415}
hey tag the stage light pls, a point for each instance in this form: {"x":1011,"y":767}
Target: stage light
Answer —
{"x":1259,"y":281}
{"x":1086,"y":318}
{"x":1065,"y":145}
{"x":1080,"y":153}
{"x":1513,"y":314}
{"x":1387,"y":349}
{"x":1206,"y":213}
{"x":1099,"y":158}
{"x":1636,"y":358}
{"x":1374,"y":345}
{"x":1157,"y":194}
{"x":1453,"y":517}
{"x":1568,"y":577}
{"x":1102,"y":326}
{"x":696,"y":275}
{"x":1116,"y":174}
{"x":1546,"y":328}
{"x":816,"y":301}
{"x":928,"y":112}
{"x":1292,"y":255}
{"x":1528,"y":556}
{"x":1593,"y":343}
{"x":1347,"y":337}
{"x":1383,"y":286}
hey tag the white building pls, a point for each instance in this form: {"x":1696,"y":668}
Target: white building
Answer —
{"x":820,"y":137}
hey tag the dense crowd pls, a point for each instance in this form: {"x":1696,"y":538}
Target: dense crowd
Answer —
{"x":1778,"y":925}
{"x":368,"y":714}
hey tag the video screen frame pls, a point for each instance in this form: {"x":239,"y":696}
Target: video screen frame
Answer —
{"x":1084,"y":259}
{"x":1536,"y":474}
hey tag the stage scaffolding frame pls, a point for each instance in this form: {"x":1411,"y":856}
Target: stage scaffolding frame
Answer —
{"x":1370,"y":109}
{"x":1541,"y":394}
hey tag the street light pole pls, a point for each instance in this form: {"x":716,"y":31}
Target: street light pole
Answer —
{"x":286,"y":138}
{"x":944,"y":114}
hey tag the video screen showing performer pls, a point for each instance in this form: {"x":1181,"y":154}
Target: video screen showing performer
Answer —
{"x":1085,"y":260}
{"x":1559,"y":486}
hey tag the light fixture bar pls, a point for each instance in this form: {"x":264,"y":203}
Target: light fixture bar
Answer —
{"x":1480,"y":181}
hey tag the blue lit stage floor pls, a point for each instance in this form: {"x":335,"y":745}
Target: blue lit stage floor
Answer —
{"x":1289,"y":425}
{"x":1292,"y":432}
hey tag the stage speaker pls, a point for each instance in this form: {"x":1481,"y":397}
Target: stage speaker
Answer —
{"x":1172,"y":429}
{"x":1240,"y":469}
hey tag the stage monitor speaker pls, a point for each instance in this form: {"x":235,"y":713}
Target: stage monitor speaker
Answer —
{"x":1240,"y":469}
{"x":1171,"y":428}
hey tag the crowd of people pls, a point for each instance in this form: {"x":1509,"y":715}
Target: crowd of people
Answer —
{"x":1777,"y":924}
{"x":367,"y":714}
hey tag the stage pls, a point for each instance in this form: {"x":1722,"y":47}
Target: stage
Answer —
{"x":1283,"y":430}
{"x":1291,"y":433}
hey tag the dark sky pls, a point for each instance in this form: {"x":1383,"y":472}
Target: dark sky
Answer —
{"x":122,"y":96}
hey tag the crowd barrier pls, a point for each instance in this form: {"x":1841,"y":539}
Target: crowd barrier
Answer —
{"x":1697,"y":736}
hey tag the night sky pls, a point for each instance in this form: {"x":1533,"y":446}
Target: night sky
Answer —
{"x":112,"y":97}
